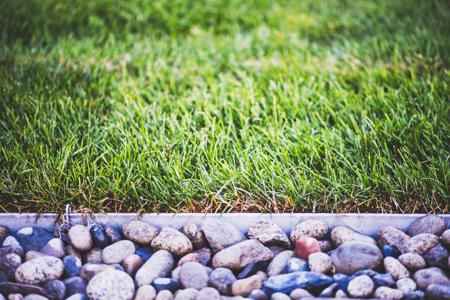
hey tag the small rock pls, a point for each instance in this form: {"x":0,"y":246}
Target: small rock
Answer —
{"x":269,"y":234}
{"x":139,"y":232}
{"x":222,"y":279}
{"x":422,"y":243}
{"x":145,"y":292}
{"x":296,"y":265}
{"x":309,"y":228}
{"x":305,"y":245}
{"x":406,"y":285}
{"x":258,"y":295}
{"x":114,"y":233}
{"x":9,"y":263}
{"x":340,"y":294}
{"x":395,"y":268}
{"x":193,"y":275}
{"x":319,"y":262}
{"x":438,"y":292}
{"x":280,"y":296}
{"x":75,"y":285}
{"x":72,"y":251}
{"x":132,"y":263}
{"x":33,"y":254}
{"x":78,"y":297}
{"x":243,"y":287}
{"x":325,"y":246}
{"x":279,"y":262}
{"x":90,"y":270}
{"x":193,"y":232}
{"x":191,"y":257}
{"x":186,"y":294}
{"x":164,"y":295}
{"x":342,"y":234}
{"x":33,"y":238}
{"x":445,"y":238}
{"x":221,"y":235}
{"x":15,"y":297}
{"x":208,"y":294}
{"x":253,"y":268}
{"x":329,"y":291}
{"x":384,"y":279}
{"x":286,"y":283}
{"x":390,"y":251}
{"x":238,"y":256}
{"x":39,"y":270}
{"x":428,"y":276}
{"x":117,"y":252}
{"x":384,"y":292}
{"x":61,"y":231}
{"x":170,"y":284}
{"x":437,"y":257}
{"x":94,"y":256}
{"x":414,"y":295}
{"x":54,"y":247}
{"x":173,"y":241}
{"x":389,"y":235}
{"x":360,"y":287}
{"x":160,"y":264}
{"x":12,"y":249}
{"x":297,"y":294}
{"x":80,"y":238}
{"x":412,"y":261}
{"x":429,"y":224}
{"x":10,"y":241}
{"x":204,"y":256}
{"x":144,"y":253}
{"x":55,"y":289}
{"x":352,"y":256}
{"x":99,"y":236}
{"x":111,"y":284}
{"x":35,"y":297}
{"x":25,"y":289}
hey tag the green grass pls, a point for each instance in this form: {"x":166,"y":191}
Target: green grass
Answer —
{"x":225,"y":105}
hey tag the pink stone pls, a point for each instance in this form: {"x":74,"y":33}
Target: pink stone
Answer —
{"x":305,"y":245}
{"x":191,"y":257}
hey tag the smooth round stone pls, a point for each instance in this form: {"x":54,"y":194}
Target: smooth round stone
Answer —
{"x":132,"y":263}
{"x":54,"y":247}
{"x":329,"y":291}
{"x":319,"y":262}
{"x":15,"y":297}
{"x":160,"y":264}
{"x":243,"y":287}
{"x":422,"y":243}
{"x":309,"y":228}
{"x":34,"y":297}
{"x":193,"y":275}
{"x":4,"y":232}
{"x":384,"y":292}
{"x":90,"y":270}
{"x":425,"y":277}
{"x":62,"y":231}
{"x":286,"y":283}
{"x":193,"y":232}
{"x":78,"y":297}
{"x":75,"y":285}
{"x":239,"y":255}
{"x":139,"y":232}
{"x":429,"y":224}
{"x":269,"y":234}
{"x":295,"y":264}
{"x":437,"y":257}
{"x":412,"y":261}
{"x":208,"y":293}
{"x":173,"y":241}
{"x":55,"y":289}
{"x":220,"y":234}
{"x":33,"y":254}
{"x":258,"y":295}
{"x":10,"y":241}
{"x":384,"y":279}
{"x":445,"y":238}
{"x":144,"y":253}
{"x":305,"y":245}
{"x":72,"y":266}
{"x":279,"y":262}
{"x":16,"y":249}
{"x":114,"y":233}
{"x":351,"y":257}
{"x":360,"y":287}
{"x":395,"y":268}
{"x":406,"y":285}
{"x":117,"y":252}
{"x":72,"y":251}
{"x":170,"y":284}
{"x":389,"y":235}
{"x":438,"y":292}
{"x":222,"y":280}
{"x":33,"y":238}
{"x":342,"y":234}
{"x":204,"y":256}
{"x":94,"y":256}
{"x":253,"y":268}
{"x":297,"y":294}
{"x":191,"y":257}
{"x":325,"y":246}
{"x":186,"y":294}
{"x":164,"y":295}
{"x":99,"y":236}
{"x":280,"y":296}
{"x":340,"y":294}
{"x":80,"y":238}
{"x":110,"y":284}
{"x":390,"y":251}
{"x":145,"y":292}
{"x":39,"y":270}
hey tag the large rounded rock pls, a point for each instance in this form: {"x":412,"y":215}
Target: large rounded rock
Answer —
{"x":193,"y":275}
{"x":222,"y":279}
{"x":39,"y":270}
{"x":360,"y":287}
{"x":342,"y":234}
{"x":412,"y":261}
{"x":428,"y":276}
{"x":145,"y":292}
{"x":395,"y":268}
{"x":279,"y":262}
{"x":54,"y":247}
{"x":384,"y":292}
{"x":221,"y":235}
{"x":117,"y":252}
{"x":208,"y":293}
{"x":132,"y":263}
{"x":269,"y":234}
{"x":352,"y":257}
{"x":391,"y":236}
{"x":75,"y":285}
{"x":429,"y":224}
{"x":238,"y":256}
{"x":445,"y":238}
{"x":90,"y":270}
{"x":111,"y":284}
{"x":173,"y":241}
{"x":139,"y":232}
{"x":80,"y":238}
{"x":243,"y":287}
{"x":193,"y":232}
{"x":306,"y":245}
{"x":99,"y":236}
{"x":9,"y":263}
{"x":438,"y":292}
{"x":310,"y":228}
{"x":160,"y":264}
{"x":55,"y":289}
{"x":437,"y":257}
{"x":406,"y":285}
{"x":286,"y":283}
{"x":422,"y":243}
{"x":95,"y":256}
{"x":319,"y":262}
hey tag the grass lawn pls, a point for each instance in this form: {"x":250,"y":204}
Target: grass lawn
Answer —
{"x":225,"y":105}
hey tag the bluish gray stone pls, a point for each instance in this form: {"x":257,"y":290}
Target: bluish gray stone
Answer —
{"x":165,"y":283}
{"x":99,"y":236}
{"x":75,"y":285}
{"x":295,"y":264}
{"x":286,"y":283}
{"x":72,"y":265}
{"x":55,"y":289}
{"x":33,"y":238}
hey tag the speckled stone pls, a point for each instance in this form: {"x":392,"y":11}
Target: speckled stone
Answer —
{"x":342,"y":234}
{"x":220,"y":234}
{"x":412,"y":261}
{"x":319,"y":262}
{"x":111,"y":284}
{"x":406,"y":285}
{"x":243,"y":287}
{"x":310,"y":228}
{"x":193,"y":275}
{"x":278,"y":264}
{"x":80,"y":238}
{"x":139,"y":232}
{"x":429,"y":224}
{"x":173,"y":241}
{"x":395,"y":268}
{"x":269,"y":234}
{"x":145,"y":292}
{"x":384,"y":292}
{"x":117,"y":252}
{"x":39,"y":270}
{"x":422,"y":243}
{"x":193,"y":232}
{"x":360,"y":287}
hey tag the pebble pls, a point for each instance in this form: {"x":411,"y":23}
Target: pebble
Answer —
{"x":412,"y":261}
{"x":220,"y":234}
{"x":389,"y":235}
{"x":258,"y":295}
{"x":75,"y":285}
{"x":280,"y":296}
{"x":94,"y":256}
{"x":160,"y":264}
{"x":14,"y":287}
{"x":406,"y":285}
{"x":15,"y":297}
{"x":193,"y":275}
{"x":414,"y":295}
{"x":35,"y":297}
{"x":390,"y":251}
{"x":186,"y":294}
{"x":54,"y":247}
{"x":384,"y":292}
{"x":170,"y":284}
{"x":243,"y":287}
{"x":425,"y":277}
{"x":39,"y":270}
{"x":222,"y":279}
{"x":319,"y":262}
{"x":132,"y":263}
{"x":438,"y":292}
{"x":80,"y":238}
{"x":72,"y":251}
{"x":164,"y":295}
{"x":309,"y":228}
{"x":173,"y":241}
{"x":139,"y":232}
{"x":342,"y":234}
{"x":33,"y":254}
{"x":437,"y":257}
{"x":99,"y":236}
{"x":422,"y":243}
{"x":55,"y":289}
{"x":360,"y":287}
{"x":445,"y":238}
{"x":90,"y":270}
{"x":9,"y":263}
{"x":144,"y":253}
{"x":4,"y":232}
{"x":253,"y":268}
{"x":10,"y":241}
{"x":33,"y":238}
{"x":239,"y":255}
{"x":384,"y":279}
{"x":305,"y":245}
{"x":190,"y":257}
{"x":279,"y":262}
{"x":208,"y":293}
{"x":193,"y":232}
{"x":352,"y":257}
{"x":395,"y":268}
{"x":340,"y":294}
{"x":145,"y":292}
{"x":296,"y":265}
{"x":297,"y":294}
{"x":110,"y":284}
{"x":78,"y":297}
{"x":269,"y":234}
{"x":329,"y":291}
{"x":325,"y":246}
{"x":204,"y":255}
{"x":114,"y":233}
{"x":286,"y":283}
{"x":117,"y":252}
{"x":429,"y":224}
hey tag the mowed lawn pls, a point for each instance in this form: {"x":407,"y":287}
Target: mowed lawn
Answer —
{"x":225,"y":105}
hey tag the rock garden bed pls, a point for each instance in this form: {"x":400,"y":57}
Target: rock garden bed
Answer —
{"x":214,"y":259}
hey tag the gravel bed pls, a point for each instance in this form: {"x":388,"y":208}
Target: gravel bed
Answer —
{"x":215,"y":260}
